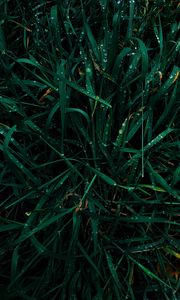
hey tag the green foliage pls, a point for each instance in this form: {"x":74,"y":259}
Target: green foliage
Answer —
{"x":89,"y":147}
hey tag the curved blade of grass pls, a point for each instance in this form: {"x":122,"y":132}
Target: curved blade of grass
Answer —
{"x":118,"y":62}
{"x":157,"y":139}
{"x":144,"y":55}
{"x":164,"y":88}
{"x":106,"y":178}
{"x":92,"y":40}
{"x":77,"y":110}
{"x":148,"y":272}
{"x":43,"y":225}
{"x":88,"y":258}
{"x":160,"y":180}
{"x":112,"y":269}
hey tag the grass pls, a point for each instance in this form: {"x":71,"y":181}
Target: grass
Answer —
{"x":89,"y":145}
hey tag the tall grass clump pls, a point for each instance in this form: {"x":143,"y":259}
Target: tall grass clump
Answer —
{"x":89,"y":148}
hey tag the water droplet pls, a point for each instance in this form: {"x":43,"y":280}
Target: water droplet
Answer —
{"x":88,"y":70}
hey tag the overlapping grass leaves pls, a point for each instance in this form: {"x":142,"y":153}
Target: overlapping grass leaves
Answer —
{"x":89,"y":105}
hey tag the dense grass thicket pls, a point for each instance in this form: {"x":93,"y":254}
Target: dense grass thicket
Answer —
{"x":89,"y":150}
